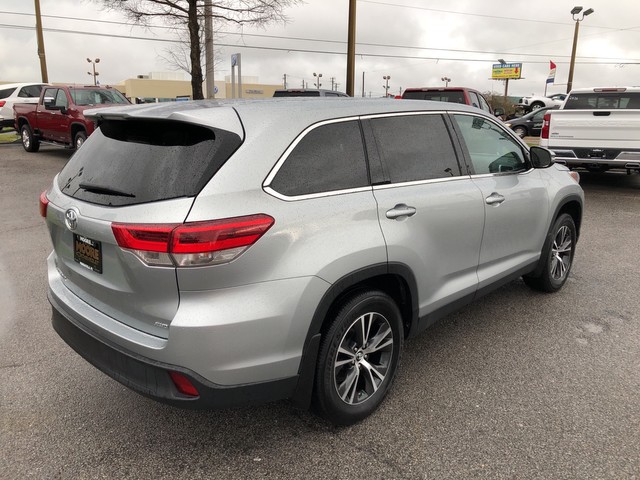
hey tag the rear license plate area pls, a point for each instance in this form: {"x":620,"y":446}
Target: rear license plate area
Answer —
{"x":87,"y":252}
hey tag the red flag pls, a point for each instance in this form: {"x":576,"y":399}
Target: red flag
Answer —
{"x":551,"y":65}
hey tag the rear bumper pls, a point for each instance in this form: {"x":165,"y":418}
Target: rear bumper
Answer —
{"x":611,"y":158}
{"x":151,"y":378}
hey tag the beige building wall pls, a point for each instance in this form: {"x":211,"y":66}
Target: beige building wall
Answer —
{"x":149,"y":88}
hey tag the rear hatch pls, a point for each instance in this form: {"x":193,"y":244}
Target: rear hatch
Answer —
{"x":131,"y":171}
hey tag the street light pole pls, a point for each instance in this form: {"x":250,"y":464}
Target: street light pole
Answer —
{"x":575,"y":11}
{"x":319,"y":76}
{"x":446,"y":81}
{"x":506,"y":80}
{"x":94,"y":74}
{"x":386,"y":78}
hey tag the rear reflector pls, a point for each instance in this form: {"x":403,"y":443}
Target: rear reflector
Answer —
{"x":183,"y":384}
{"x":44,"y":203}
{"x":192,"y":244}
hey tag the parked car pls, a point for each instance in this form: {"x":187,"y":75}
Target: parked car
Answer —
{"x":58,"y":117}
{"x":11,"y":93}
{"x":308,"y":92}
{"x":535,"y":102}
{"x":296,"y":245}
{"x":463,"y":95}
{"x":529,"y":124}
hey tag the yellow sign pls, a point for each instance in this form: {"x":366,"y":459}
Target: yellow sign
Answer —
{"x":506,"y":70}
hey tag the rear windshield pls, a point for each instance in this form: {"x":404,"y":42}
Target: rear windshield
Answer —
{"x":453,"y":97}
{"x":127,"y":162}
{"x":96,"y":96}
{"x":294,"y":93}
{"x":603,"y":100}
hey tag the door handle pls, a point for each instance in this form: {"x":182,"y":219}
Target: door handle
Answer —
{"x":400,"y":210}
{"x":494,"y":199}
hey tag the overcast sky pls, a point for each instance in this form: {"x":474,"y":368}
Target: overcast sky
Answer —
{"x":415,"y":42}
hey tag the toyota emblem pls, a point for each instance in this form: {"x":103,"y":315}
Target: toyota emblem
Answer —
{"x":71,"y":218}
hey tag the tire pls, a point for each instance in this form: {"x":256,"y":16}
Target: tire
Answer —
{"x":520,"y":131}
{"x":79,"y":139}
{"x":557,"y":256}
{"x":536,"y":105}
{"x":29,"y":141}
{"x":353,"y":375}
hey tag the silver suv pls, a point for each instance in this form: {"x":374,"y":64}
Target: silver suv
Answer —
{"x":216,"y":254}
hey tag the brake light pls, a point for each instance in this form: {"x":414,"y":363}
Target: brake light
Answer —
{"x":546,"y":124}
{"x":44,"y":203}
{"x":192,"y":244}
{"x":2,"y":103}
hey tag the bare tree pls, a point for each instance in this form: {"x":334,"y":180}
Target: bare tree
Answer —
{"x":190,"y":13}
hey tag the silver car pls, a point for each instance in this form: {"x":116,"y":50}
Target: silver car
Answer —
{"x":212,"y":254}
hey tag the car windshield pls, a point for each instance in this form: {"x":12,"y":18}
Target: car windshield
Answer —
{"x":96,"y":96}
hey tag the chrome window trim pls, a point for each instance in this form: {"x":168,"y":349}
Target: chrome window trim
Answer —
{"x":266,"y":184}
{"x":420,"y":182}
{"x":274,"y":171}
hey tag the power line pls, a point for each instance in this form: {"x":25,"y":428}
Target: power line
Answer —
{"x":337,"y":42}
{"x":298,"y":50}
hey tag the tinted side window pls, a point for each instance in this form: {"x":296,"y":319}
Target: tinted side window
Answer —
{"x":328,"y":158}
{"x":4,"y":93}
{"x":415,"y":147}
{"x":491,"y":149}
{"x":30,"y":91}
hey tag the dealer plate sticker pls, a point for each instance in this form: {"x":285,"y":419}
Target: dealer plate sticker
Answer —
{"x":87,"y":252}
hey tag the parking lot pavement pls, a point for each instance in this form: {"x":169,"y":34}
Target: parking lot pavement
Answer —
{"x":517,"y":385}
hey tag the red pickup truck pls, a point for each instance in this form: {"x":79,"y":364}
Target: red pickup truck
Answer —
{"x":58,"y":117}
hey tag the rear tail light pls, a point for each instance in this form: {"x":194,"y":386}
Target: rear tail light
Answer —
{"x":44,"y":203}
{"x":192,"y":244}
{"x":546,"y":124}
{"x":2,"y":103}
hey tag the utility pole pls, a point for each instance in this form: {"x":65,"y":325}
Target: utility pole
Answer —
{"x":362,"y":84}
{"x":41,"y":55}
{"x":285,"y":81}
{"x":333,"y":82}
{"x":208,"y":49}
{"x":351,"y":48}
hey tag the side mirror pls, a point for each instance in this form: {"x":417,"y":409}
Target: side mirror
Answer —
{"x":541,"y":157}
{"x":49,"y":102}
{"x":498,"y":112}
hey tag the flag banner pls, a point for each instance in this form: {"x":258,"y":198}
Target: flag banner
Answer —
{"x":552,"y":72}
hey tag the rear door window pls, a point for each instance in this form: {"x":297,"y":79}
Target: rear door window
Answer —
{"x":128,"y":162}
{"x":328,"y":158}
{"x":30,"y":91}
{"x":415,"y":147}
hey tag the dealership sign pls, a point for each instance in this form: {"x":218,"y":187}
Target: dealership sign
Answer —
{"x":501,"y":71}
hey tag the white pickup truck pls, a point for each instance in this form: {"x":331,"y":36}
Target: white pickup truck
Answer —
{"x":596,"y":128}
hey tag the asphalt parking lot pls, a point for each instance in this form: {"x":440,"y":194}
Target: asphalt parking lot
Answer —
{"x":518,"y":385}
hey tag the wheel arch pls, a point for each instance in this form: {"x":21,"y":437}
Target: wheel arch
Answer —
{"x":394,"y":279}
{"x":571,"y":205}
{"x":75,"y":128}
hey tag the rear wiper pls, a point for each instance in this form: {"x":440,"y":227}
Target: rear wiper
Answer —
{"x":89,"y":187}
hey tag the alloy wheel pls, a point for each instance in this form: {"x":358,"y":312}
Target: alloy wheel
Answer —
{"x":363,"y":358}
{"x":561,"y":253}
